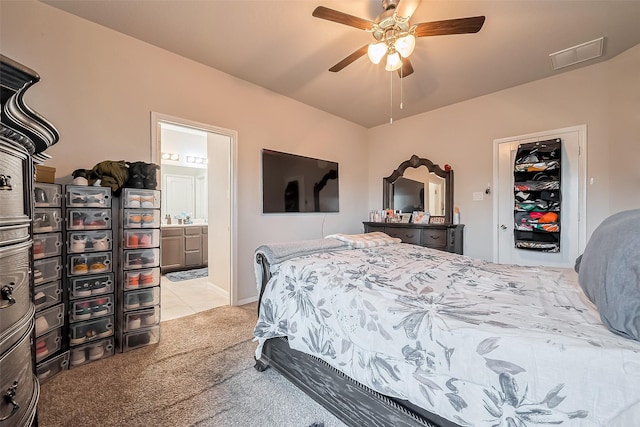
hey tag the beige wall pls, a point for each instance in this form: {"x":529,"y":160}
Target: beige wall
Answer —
{"x":605,"y":97}
{"x":99,"y":87}
{"x":624,"y":130}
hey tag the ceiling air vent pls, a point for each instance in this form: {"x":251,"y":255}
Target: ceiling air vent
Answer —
{"x":576,"y":54}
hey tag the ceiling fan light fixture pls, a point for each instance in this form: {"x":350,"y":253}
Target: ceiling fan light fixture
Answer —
{"x":405,"y":45}
{"x":393,"y":62}
{"x":376,"y":52}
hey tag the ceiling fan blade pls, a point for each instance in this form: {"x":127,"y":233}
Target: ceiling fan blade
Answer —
{"x":450,"y":26}
{"x":406,"y":69}
{"x":406,"y":8}
{"x":349,"y":59}
{"x":342,"y":18}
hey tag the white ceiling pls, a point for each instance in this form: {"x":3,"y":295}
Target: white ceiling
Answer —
{"x":280,"y":46}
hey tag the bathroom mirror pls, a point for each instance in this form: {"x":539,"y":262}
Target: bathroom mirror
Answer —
{"x":419,"y":184}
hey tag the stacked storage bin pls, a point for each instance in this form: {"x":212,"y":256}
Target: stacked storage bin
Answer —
{"x":139,"y":268}
{"x":52,"y":356}
{"x":89,"y":273}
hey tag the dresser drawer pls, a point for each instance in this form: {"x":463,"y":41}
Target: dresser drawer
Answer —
{"x":14,"y":283}
{"x":13,"y":164}
{"x":407,"y":235}
{"x":13,"y":234}
{"x":18,"y":386}
{"x":434,"y":238}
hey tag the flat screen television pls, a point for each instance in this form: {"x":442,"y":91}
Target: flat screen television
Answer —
{"x":292,"y":183}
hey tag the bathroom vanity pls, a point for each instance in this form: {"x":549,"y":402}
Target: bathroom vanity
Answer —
{"x":184,"y":246}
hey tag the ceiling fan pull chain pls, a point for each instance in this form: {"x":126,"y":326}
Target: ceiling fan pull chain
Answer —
{"x":391,"y":99}
{"x":401,"y":79}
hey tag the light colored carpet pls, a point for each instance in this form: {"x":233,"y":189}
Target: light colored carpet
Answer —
{"x":200,"y":374}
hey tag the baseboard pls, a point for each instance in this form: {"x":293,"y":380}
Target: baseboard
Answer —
{"x":247,"y":300}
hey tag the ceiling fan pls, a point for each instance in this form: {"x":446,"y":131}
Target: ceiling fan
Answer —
{"x":394,"y":35}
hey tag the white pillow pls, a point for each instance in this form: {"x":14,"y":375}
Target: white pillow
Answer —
{"x":366,"y":240}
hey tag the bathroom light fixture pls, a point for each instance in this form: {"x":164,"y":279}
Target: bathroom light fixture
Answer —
{"x":170,"y":156}
{"x":197,"y":160}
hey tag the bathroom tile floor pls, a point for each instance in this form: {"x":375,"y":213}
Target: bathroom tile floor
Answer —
{"x":179,"y":299}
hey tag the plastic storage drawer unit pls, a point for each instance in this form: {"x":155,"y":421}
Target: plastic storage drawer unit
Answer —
{"x":82,"y":196}
{"x":48,"y":344}
{"x":47,"y":245}
{"x":140,"y":338}
{"x":141,"y":319}
{"x":49,"y":319}
{"x":89,"y":241}
{"x":142,"y":298}
{"x":94,"y":263}
{"x":91,"y":308}
{"x":88,"y":219}
{"x":46,"y":220}
{"x":47,"y":270}
{"x":47,"y":295}
{"x":138,"y":198}
{"x":48,"y":369}
{"x":136,"y":279}
{"x":91,"y":352}
{"x":82,"y":287}
{"x":47,"y":195}
{"x":90,"y":330}
{"x":141,"y":218}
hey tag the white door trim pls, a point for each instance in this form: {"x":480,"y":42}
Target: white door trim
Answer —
{"x":582,"y":179}
{"x":156,"y":118}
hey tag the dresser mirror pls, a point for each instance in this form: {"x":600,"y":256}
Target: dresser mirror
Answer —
{"x":418,"y":184}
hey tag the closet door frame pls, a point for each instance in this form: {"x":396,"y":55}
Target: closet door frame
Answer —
{"x":503,"y":197}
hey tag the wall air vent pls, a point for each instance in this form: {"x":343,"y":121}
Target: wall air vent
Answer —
{"x":576,"y":54}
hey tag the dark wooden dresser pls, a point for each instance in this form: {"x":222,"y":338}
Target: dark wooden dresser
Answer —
{"x":444,"y":237}
{"x":24,"y":135}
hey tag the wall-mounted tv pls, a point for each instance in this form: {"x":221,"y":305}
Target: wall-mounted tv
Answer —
{"x":292,"y":183}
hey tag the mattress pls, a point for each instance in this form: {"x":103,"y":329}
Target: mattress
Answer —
{"x":477,"y":343}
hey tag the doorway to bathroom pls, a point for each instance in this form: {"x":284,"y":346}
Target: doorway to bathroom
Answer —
{"x":197,"y":179}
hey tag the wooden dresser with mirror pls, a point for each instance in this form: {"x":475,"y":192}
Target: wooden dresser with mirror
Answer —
{"x":436,"y":197}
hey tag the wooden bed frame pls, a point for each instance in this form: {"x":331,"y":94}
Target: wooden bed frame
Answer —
{"x":353,"y":403}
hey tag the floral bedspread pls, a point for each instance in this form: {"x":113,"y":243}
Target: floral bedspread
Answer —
{"x":479,"y":344}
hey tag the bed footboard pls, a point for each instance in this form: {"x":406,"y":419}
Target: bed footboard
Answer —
{"x":353,"y":403}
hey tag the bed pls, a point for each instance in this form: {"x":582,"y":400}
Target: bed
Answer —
{"x":391,"y":334}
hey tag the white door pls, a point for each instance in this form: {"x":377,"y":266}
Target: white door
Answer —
{"x":572,"y":181}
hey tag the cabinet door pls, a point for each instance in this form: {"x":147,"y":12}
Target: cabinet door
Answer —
{"x":172,"y":251}
{"x":192,"y":246}
{"x":205,"y":245}
{"x":193,"y":252}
